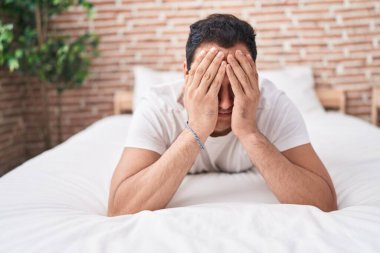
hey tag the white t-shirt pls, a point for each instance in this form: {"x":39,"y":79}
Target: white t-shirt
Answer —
{"x":159,"y":119}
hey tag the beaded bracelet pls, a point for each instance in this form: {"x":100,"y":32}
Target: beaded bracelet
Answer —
{"x":195,"y":135}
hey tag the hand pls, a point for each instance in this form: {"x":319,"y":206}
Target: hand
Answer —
{"x":242,"y":74}
{"x":201,"y":91}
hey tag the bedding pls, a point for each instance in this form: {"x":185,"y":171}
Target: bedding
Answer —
{"x":146,"y":77}
{"x":57,"y":201}
{"x":298,"y":84}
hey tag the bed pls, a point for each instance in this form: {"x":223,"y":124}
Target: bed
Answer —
{"x":57,"y":201}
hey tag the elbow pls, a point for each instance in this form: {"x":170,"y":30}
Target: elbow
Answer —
{"x":332,"y":204}
{"x":324,"y":204}
{"x":117,"y":211}
{"x":328,"y":204}
{"x":118,"y":208}
{"x":126,"y":209}
{"x":326,"y":200}
{"x":111,"y":212}
{"x":329,"y":207}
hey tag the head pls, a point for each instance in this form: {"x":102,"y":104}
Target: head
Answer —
{"x":228,"y":34}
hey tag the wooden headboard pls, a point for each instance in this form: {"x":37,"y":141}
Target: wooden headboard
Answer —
{"x":122,"y":102}
{"x":331,"y":99}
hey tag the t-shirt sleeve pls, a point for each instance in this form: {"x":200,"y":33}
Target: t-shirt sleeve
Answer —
{"x":289,"y":129}
{"x":146,"y":129}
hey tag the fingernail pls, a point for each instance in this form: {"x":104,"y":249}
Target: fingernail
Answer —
{"x":220,"y":54}
{"x":202,"y":52}
{"x":239,"y":52}
{"x":249,"y":55}
{"x":223,"y":63}
{"x":213,"y":49}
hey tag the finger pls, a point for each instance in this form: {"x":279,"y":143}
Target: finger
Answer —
{"x":218,"y":80}
{"x":195,"y":65}
{"x":251,"y":61}
{"x":253,"y":64}
{"x":203,"y":66}
{"x":246,"y":65}
{"x":235,"y":84}
{"x":211,"y":72}
{"x":240,"y":74}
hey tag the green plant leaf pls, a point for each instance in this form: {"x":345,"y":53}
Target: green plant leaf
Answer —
{"x":61,"y":61}
{"x":13,"y":64}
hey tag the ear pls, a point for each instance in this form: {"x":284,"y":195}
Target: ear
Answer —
{"x":185,"y":72}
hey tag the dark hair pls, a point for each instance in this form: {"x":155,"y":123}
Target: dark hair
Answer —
{"x":226,"y":30}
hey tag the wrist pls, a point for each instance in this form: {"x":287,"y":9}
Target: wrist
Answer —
{"x":200,"y":129}
{"x":248,"y":133}
{"x":201,"y":132}
{"x":256,"y":139}
{"x":244,"y":127}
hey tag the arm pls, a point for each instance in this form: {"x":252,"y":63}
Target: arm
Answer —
{"x":295,"y":176}
{"x":152,"y":187}
{"x":145,"y":181}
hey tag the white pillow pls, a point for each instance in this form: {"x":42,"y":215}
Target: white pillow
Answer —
{"x":296,"y":81}
{"x":298,"y":84}
{"x":146,"y":77}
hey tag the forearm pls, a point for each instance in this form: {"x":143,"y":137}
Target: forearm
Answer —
{"x":153,"y":187}
{"x":290,"y":183}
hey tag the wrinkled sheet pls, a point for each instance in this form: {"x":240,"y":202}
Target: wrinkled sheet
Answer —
{"x":57,"y":201}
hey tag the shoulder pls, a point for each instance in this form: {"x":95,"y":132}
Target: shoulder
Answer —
{"x":276,"y":106}
{"x":281,"y":121}
{"x":270,"y":96}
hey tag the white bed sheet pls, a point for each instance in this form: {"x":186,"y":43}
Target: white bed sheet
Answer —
{"x":57,"y":201}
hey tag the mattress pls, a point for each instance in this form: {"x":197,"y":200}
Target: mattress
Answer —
{"x":57,"y":201}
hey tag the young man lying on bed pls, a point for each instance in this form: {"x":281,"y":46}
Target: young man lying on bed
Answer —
{"x":218,"y":120}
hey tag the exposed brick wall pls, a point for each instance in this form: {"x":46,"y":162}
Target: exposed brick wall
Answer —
{"x":340,"y":39}
{"x":12,"y":127}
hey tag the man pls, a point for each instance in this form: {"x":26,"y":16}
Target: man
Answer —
{"x":218,"y":120}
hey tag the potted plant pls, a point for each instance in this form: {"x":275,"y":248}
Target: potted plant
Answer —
{"x":27,"y":47}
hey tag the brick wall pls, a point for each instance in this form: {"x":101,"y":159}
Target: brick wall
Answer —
{"x":12,"y":126}
{"x":340,"y":39}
